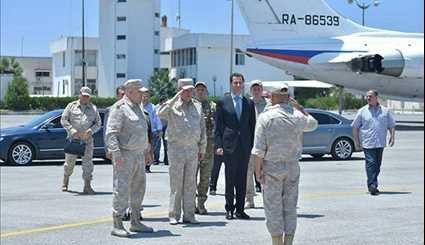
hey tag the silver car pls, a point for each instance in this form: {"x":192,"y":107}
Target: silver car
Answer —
{"x":333,"y":136}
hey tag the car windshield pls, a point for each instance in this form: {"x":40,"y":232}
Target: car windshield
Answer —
{"x":40,"y":119}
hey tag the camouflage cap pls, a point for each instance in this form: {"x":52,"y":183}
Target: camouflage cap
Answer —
{"x":283,"y":90}
{"x":200,"y":83}
{"x":85,"y":91}
{"x":133,"y":83}
{"x":144,"y":89}
{"x":256,"y":82}
{"x":185,"y":83}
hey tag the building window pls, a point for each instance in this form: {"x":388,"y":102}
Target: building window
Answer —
{"x":90,"y":58}
{"x":122,"y":1}
{"x":121,"y":18}
{"x":121,"y":56}
{"x":121,"y":37}
{"x":240,"y":59}
{"x":63,"y":59}
{"x":42,"y":74}
{"x":156,"y":33}
{"x":91,"y":83}
{"x":183,"y":57}
{"x":120,"y":75}
{"x":157,"y":15}
{"x":156,"y":51}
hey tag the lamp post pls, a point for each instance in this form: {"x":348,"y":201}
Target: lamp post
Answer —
{"x":179,"y":17}
{"x":83,"y":58}
{"x":364,"y":6}
{"x":232,"y":36}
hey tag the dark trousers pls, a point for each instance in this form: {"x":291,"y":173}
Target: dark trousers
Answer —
{"x":215,"y":172}
{"x":373,"y":165}
{"x":236,"y":171}
{"x":165,"y":143}
{"x":156,"y":146}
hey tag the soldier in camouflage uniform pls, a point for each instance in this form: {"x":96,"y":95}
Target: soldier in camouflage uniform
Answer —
{"x":277,"y":150}
{"x":260,"y":103}
{"x":186,"y":146}
{"x":81,"y":120}
{"x":205,"y":166}
{"x":127,"y":140}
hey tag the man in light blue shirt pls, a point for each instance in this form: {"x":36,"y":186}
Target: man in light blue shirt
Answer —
{"x":370,"y":128}
{"x":156,"y":125}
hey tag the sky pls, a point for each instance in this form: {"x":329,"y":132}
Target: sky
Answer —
{"x":28,"y":26}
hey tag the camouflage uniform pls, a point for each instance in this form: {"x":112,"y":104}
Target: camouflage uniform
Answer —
{"x":205,"y":166}
{"x":250,"y":190}
{"x":278,"y":140}
{"x":126,"y":138}
{"x":78,"y":118}
{"x":186,"y":139}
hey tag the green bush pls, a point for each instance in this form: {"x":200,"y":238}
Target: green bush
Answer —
{"x":52,"y":103}
{"x":17,"y":96}
{"x":332,"y":102}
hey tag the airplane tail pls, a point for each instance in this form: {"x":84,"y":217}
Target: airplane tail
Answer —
{"x":270,"y":20}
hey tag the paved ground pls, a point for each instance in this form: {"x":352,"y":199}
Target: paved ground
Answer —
{"x":333,"y":209}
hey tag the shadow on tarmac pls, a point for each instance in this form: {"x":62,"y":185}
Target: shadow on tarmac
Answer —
{"x":156,"y":234}
{"x":310,"y":216}
{"x":327,"y":159}
{"x":98,"y":193}
{"x":206,"y":224}
{"x":395,"y":193}
{"x":163,"y":219}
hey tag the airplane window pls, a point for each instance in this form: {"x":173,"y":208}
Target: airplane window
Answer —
{"x":324,"y":119}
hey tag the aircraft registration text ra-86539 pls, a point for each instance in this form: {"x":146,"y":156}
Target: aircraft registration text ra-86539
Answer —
{"x":308,"y":20}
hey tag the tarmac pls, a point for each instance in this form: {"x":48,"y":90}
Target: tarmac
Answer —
{"x":334,"y":207}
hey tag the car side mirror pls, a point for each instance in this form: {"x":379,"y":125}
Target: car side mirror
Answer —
{"x":49,"y":126}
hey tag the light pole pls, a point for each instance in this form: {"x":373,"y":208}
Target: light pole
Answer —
{"x":179,"y":17}
{"x":231,"y":36}
{"x":83,"y":51}
{"x":364,"y":6}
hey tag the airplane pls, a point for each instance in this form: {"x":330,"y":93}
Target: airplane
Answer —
{"x":309,"y":39}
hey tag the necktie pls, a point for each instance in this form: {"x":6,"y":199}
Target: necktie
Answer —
{"x":238,"y":108}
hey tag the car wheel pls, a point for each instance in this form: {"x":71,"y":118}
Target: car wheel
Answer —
{"x":317,"y":156}
{"x":342,"y":149}
{"x":21,"y":153}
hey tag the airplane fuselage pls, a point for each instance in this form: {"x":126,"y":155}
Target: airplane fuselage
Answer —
{"x":402,"y":57}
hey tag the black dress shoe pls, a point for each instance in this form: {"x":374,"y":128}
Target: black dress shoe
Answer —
{"x":258,"y":189}
{"x":229,"y":215}
{"x":242,"y":215}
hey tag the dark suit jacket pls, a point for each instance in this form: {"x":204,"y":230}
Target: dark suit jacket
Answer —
{"x":230,"y":131}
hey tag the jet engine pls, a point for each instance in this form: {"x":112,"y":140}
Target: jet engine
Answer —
{"x":390,"y":63}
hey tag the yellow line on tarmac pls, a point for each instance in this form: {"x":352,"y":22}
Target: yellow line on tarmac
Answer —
{"x":147,"y":214}
{"x":71,"y":225}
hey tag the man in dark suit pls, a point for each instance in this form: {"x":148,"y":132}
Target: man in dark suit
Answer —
{"x":234,"y":136}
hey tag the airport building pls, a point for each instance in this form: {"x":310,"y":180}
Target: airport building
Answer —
{"x":129,"y":41}
{"x":38,"y":72}
{"x":67,"y":65}
{"x":206,"y":57}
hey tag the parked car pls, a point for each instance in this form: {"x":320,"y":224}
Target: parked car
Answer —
{"x":40,"y":139}
{"x":334,"y":136}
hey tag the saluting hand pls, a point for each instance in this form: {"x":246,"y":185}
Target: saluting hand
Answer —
{"x":219,"y":152}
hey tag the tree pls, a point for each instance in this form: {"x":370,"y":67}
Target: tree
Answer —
{"x":10,"y":66}
{"x":17,"y":96}
{"x":161,"y":85}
